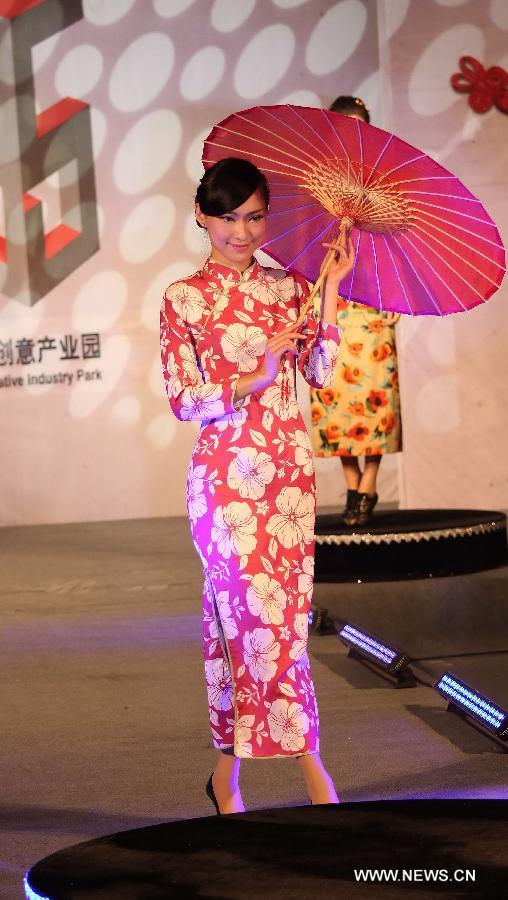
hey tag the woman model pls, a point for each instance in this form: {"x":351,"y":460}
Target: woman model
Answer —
{"x":229,"y":343}
{"x":359,"y":414}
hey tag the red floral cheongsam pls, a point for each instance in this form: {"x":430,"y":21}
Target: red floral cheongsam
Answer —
{"x":250,"y":498}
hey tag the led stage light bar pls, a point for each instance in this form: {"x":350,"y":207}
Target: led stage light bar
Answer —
{"x":474,"y":707}
{"x":385,"y":659}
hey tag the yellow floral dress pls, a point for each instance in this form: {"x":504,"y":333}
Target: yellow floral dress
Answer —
{"x":359,"y":415}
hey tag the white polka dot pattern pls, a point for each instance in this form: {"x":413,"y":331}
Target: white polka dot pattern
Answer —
{"x":100,"y":300}
{"x":99,"y":130}
{"x":335,"y":37}
{"x":41,"y":52}
{"x":499,"y":13}
{"x":195,"y":237}
{"x":157,"y":75}
{"x":202,"y":73}
{"x":193,"y":164}
{"x":227,"y":16}
{"x":161,"y":431}
{"x":263,"y":61}
{"x":289,"y":4}
{"x":169,"y":9}
{"x":106,"y":12}
{"x":302,"y":98}
{"x":147,"y":151}
{"x":392,"y":16}
{"x":429,"y":87}
{"x":79,"y":71}
{"x":141,"y":72}
{"x":146,"y":229}
{"x":126,"y":411}
{"x":452,"y":371}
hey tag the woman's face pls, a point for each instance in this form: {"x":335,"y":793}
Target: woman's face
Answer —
{"x":235,"y":235}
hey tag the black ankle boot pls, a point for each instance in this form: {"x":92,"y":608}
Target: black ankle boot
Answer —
{"x":365,"y":508}
{"x":349,"y":512}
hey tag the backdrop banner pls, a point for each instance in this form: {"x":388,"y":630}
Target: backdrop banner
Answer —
{"x":453,"y":372}
{"x":104,"y":107}
{"x":103,"y":110}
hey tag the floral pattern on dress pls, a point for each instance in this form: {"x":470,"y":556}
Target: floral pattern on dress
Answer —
{"x":251,"y":498}
{"x":358,"y":414}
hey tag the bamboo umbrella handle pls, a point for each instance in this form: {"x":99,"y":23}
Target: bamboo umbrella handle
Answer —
{"x":310,"y":299}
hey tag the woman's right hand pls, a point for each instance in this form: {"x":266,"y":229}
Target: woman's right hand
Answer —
{"x":284,"y":342}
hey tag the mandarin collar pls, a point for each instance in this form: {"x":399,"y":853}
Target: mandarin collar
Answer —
{"x":229,"y":273}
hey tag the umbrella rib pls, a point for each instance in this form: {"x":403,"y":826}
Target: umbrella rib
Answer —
{"x":294,"y":110}
{"x":447,"y":286}
{"x":258,"y":156}
{"x":299,"y":134}
{"x":294,"y":227}
{"x":335,"y":134}
{"x":425,"y":288}
{"x":453,"y":225}
{"x":402,"y":165}
{"x":444,"y":196}
{"x":478,"y":252}
{"x":377,"y":273}
{"x":366,"y":183}
{"x":287,"y":196}
{"x":424,"y":178}
{"x":360,"y":142}
{"x":273,"y":133}
{"x":313,"y":241}
{"x":264,"y":143}
{"x":457,"y":212}
{"x":293,"y":209}
{"x":397,"y":274}
{"x":449,"y":265}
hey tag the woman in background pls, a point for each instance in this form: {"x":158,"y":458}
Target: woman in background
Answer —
{"x":358,"y":416}
{"x":229,"y":344}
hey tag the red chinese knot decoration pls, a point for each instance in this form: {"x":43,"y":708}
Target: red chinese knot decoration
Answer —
{"x":486,"y":87}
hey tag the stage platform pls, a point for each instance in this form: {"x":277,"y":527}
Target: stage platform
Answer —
{"x":410,"y":543}
{"x":435,"y":848}
{"x":432,"y":582}
{"x":104,"y":704}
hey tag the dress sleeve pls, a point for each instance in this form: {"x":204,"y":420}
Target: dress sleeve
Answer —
{"x":192,"y":398}
{"x":319,"y":353}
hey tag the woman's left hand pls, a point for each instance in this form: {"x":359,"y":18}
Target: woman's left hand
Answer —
{"x":391,"y":318}
{"x":344,"y":257}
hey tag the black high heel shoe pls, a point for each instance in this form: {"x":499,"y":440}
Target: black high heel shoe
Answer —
{"x":365,"y":508}
{"x":349,"y":511}
{"x":211,"y":794}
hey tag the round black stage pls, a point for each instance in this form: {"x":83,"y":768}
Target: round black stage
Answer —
{"x":434,"y":848}
{"x":411,"y":543}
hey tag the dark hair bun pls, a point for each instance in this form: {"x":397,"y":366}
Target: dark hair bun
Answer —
{"x":229,"y":183}
{"x":350,"y":105}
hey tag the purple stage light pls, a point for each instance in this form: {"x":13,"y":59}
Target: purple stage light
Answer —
{"x":383,"y":658}
{"x":462,"y":698}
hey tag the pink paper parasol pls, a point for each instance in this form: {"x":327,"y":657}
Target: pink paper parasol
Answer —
{"x":424,"y":244}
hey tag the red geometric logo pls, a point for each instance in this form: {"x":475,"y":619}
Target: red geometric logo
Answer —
{"x":54,"y":146}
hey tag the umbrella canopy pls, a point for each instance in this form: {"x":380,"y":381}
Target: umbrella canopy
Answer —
{"x":424,"y":245}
